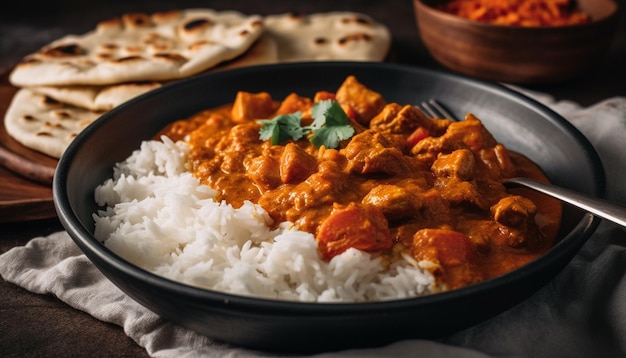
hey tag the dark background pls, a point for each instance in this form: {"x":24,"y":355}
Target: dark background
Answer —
{"x":31,"y":25}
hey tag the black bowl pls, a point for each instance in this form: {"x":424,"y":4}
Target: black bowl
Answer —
{"x":517,"y":121}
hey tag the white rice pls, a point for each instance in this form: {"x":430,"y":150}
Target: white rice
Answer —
{"x":159,"y":217}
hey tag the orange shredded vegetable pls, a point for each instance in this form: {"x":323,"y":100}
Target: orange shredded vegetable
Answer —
{"x":527,"y":13}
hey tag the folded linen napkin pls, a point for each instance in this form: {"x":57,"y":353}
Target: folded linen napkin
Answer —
{"x":54,"y":264}
{"x":581,"y":313}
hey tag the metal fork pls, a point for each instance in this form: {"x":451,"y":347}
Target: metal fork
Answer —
{"x":435,"y":109}
{"x":599,"y":207}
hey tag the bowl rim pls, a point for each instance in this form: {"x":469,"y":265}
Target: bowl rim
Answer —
{"x":92,"y":247}
{"x":421,"y":5}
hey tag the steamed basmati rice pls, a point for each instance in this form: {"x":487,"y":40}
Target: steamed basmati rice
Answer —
{"x":159,"y":217}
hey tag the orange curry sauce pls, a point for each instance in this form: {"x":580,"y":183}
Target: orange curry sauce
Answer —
{"x":403,"y":183}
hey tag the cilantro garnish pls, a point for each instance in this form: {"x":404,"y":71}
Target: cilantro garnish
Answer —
{"x":330,"y":126}
{"x":282,"y":128}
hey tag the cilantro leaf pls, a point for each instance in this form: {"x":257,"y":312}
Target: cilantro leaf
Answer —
{"x":331,"y":136}
{"x":282,"y":128}
{"x":318,"y":112}
{"x":331,"y":125}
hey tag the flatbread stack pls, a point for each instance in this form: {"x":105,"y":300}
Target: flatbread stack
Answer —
{"x":69,"y":83}
{"x":328,"y":36}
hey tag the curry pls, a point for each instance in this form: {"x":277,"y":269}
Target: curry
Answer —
{"x":401,"y":183}
{"x":524,"y":13}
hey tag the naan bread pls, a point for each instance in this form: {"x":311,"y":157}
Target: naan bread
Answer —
{"x":103,"y":98}
{"x":43,"y":124}
{"x":96,"y":98}
{"x":72,"y":81}
{"x":328,"y":36}
{"x":139,"y":47}
{"x":263,"y":51}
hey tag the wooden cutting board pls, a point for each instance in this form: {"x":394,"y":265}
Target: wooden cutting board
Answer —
{"x":25,"y":175}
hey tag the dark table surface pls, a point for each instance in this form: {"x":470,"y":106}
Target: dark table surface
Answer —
{"x":41,"y":325}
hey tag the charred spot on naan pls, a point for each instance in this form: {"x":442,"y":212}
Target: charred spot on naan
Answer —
{"x":136,"y":20}
{"x":67,"y":50}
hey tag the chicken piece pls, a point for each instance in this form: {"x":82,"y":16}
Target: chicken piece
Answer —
{"x":398,"y":119}
{"x":237,"y":145}
{"x":393,"y":201}
{"x":365,"y":102}
{"x":329,"y":181}
{"x":455,"y":178}
{"x":514,"y":211}
{"x":517,"y":213}
{"x":295,"y":103}
{"x":470,"y":134}
{"x":296,"y":164}
{"x":264,"y":170}
{"x":252,"y":106}
{"x":370,"y":153}
{"x":458,"y":164}
{"x":240,"y":138}
{"x":498,"y":162}
{"x":459,"y":192}
{"x":313,"y":197}
{"x":323,"y":96}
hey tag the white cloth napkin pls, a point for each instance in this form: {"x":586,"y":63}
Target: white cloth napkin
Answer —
{"x":581,"y":313}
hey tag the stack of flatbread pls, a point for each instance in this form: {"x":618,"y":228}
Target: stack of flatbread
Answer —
{"x":69,"y":83}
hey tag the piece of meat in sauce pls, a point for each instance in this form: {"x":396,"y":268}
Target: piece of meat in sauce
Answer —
{"x":431,"y":187}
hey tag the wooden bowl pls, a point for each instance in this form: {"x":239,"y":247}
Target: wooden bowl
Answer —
{"x":522,"y":55}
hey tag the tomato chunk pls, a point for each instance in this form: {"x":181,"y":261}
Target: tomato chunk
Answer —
{"x":418,"y":134}
{"x":448,"y":247}
{"x":452,"y":250}
{"x":359,"y":226}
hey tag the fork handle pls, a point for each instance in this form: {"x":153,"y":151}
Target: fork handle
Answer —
{"x":599,"y":207}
